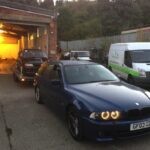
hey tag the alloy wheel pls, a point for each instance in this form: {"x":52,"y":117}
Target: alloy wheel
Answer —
{"x":73,"y":124}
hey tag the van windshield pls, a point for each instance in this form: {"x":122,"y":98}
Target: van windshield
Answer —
{"x":140,"y":56}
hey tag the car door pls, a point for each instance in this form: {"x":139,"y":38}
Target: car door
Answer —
{"x":57,"y":88}
{"x":53,"y":86}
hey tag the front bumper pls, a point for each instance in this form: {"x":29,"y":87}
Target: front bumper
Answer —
{"x":108,"y":131}
{"x":25,"y":78}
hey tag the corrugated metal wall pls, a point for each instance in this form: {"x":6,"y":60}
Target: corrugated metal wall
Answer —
{"x":99,"y":43}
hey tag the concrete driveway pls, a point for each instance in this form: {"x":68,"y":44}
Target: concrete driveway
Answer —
{"x":26,"y":125}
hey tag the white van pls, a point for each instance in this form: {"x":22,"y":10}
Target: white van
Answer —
{"x":80,"y":55}
{"x":131,"y":61}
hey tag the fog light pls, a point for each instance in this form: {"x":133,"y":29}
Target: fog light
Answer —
{"x":22,"y":79}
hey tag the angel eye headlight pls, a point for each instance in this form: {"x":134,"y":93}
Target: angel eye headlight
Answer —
{"x":115,"y":115}
{"x":105,"y":115}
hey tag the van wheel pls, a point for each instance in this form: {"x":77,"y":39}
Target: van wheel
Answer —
{"x":131,"y":80}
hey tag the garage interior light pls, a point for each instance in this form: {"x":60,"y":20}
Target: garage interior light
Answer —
{"x":31,"y":37}
{"x":2,"y":31}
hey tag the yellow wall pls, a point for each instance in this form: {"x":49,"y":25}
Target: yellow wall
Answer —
{"x":9,"y":50}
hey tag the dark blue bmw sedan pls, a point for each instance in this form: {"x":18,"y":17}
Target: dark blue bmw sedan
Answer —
{"x":96,"y":103}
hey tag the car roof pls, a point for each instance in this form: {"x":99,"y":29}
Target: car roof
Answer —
{"x":74,"y":62}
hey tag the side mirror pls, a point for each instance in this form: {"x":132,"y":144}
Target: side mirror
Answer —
{"x":56,"y":82}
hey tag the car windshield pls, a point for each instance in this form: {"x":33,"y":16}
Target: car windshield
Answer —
{"x":34,"y":54}
{"x":80,"y":74}
{"x":81,"y":54}
{"x":140,"y":56}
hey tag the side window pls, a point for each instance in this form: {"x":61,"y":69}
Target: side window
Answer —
{"x":128,"y":60}
{"x":54,"y":72}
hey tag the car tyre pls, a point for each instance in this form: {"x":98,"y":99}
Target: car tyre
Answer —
{"x":38,"y":96}
{"x":75,"y":124}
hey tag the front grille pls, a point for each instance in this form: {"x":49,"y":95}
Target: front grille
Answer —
{"x":127,"y":134}
{"x":136,"y":114}
{"x":122,"y":133}
{"x":30,"y":71}
{"x":36,"y":65}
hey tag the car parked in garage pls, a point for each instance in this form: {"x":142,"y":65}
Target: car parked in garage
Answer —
{"x":96,"y":103}
{"x":28,"y":63}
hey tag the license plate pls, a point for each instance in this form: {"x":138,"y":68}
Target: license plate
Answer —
{"x":140,"y":125}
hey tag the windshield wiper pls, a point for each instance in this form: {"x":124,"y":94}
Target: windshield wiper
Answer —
{"x":93,"y":81}
{"x":100,"y":81}
{"x":106,"y":80}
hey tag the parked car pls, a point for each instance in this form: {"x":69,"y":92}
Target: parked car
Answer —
{"x":28,"y":63}
{"x":131,"y":61}
{"x":80,"y":55}
{"x":96,"y":103}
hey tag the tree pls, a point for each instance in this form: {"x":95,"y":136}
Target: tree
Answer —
{"x":27,"y":2}
{"x":118,"y":15}
{"x":129,"y":13}
{"x":65,"y":23}
{"x":145,"y":8}
{"x":87,"y":19}
{"x":110,"y":21}
{"x":84,"y":22}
